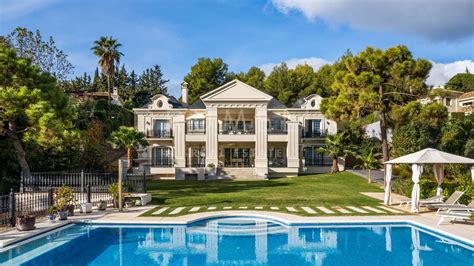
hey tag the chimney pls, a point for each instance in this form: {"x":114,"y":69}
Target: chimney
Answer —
{"x":184,"y":92}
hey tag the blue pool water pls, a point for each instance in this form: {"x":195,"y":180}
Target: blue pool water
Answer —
{"x":241,"y":241}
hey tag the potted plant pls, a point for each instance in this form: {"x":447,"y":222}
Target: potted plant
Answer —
{"x":64,"y":199}
{"x":102,"y":205}
{"x":53,"y":210}
{"x":25,"y":222}
{"x":114,"y":192}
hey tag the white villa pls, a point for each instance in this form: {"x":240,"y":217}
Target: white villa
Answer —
{"x":234,"y":131}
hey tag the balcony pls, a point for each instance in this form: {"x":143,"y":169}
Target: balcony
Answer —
{"x":162,"y":162}
{"x":314,"y":134}
{"x":196,"y":161}
{"x":160,"y":134}
{"x":277,"y":131}
{"x":196,"y":126}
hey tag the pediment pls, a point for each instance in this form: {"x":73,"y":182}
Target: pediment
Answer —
{"x":236,"y":91}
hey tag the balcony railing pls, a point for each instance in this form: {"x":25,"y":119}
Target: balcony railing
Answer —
{"x":159,"y":133}
{"x":238,"y":131}
{"x":277,"y":131}
{"x":312,"y":134}
{"x":318,"y":161}
{"x":277,"y":162}
{"x":162,"y":162}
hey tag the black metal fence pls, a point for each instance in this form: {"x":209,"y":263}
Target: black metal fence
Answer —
{"x":36,"y":191}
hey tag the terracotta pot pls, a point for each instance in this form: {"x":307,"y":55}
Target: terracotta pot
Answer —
{"x":63,"y":215}
{"x":25,"y":223}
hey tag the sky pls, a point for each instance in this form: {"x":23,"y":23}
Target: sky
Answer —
{"x":245,"y":33}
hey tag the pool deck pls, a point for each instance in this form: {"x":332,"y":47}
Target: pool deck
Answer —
{"x":461,"y":231}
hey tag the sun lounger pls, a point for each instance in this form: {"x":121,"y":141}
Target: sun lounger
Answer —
{"x":423,"y":202}
{"x":454,"y":215}
{"x":459,"y":207}
{"x":452,"y":201}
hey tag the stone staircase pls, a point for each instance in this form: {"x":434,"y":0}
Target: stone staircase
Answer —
{"x":236,"y":173}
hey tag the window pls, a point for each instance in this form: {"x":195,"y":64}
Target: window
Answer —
{"x":161,"y":156}
{"x":276,"y":125}
{"x":161,"y":128}
{"x":313,"y":103}
{"x":448,"y":101}
{"x":276,"y":157}
{"x":313,"y":128}
{"x":160,"y":104}
{"x":198,"y":157}
{"x":237,"y":127}
{"x":197,"y":125}
{"x":314,"y":158}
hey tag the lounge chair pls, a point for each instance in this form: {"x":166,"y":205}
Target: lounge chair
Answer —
{"x":424,"y":202}
{"x":462,"y":213}
{"x":452,"y":201}
{"x":459,"y":207}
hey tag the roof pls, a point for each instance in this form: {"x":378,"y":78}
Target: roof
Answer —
{"x":198,"y":104}
{"x":275,"y":104}
{"x":431,"y":156}
{"x":467,"y":95}
{"x":175,"y":103}
{"x":236,"y":90}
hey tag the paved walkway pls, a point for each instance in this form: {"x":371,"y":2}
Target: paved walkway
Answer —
{"x":377,"y":175}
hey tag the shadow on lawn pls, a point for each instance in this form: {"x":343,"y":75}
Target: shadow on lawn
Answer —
{"x":163,"y":190}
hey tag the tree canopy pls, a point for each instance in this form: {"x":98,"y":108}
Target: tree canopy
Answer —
{"x":461,"y":82}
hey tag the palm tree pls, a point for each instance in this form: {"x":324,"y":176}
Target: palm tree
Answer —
{"x":369,"y":162}
{"x":336,"y":146}
{"x":127,"y":138}
{"x":106,"y":48}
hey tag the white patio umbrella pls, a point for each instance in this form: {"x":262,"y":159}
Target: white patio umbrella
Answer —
{"x":417,"y":159}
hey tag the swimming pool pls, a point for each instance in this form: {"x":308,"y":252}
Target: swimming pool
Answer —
{"x":241,"y":241}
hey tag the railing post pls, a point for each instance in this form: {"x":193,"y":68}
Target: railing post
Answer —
{"x":144,"y":181}
{"x":82,"y":184}
{"x":88,"y":193}
{"x":11,"y":208}
{"x":50,"y":196}
{"x":22,"y":182}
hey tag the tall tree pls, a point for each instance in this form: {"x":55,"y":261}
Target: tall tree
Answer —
{"x":43,"y":54}
{"x":376,"y":81}
{"x":254,"y":77}
{"x":32,"y":106}
{"x":107,"y":49}
{"x":336,"y":146}
{"x":206,"y":75}
{"x":280,"y":84}
{"x":461,"y":82}
{"x":130,"y":139}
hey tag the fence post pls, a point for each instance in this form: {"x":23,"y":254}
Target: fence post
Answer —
{"x":82,"y":183}
{"x":50,"y":196}
{"x":11,"y":208}
{"x":88,"y":193}
{"x":144,"y":181}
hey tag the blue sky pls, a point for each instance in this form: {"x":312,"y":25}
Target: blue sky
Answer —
{"x":245,"y":33}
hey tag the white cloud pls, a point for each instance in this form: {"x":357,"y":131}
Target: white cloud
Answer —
{"x":10,"y":9}
{"x":314,"y":62}
{"x":441,"y":73}
{"x":433,"y":19}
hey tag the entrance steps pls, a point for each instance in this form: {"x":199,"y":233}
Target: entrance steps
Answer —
{"x":236,"y":173}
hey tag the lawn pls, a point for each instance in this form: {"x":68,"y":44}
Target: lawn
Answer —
{"x":327,"y":190}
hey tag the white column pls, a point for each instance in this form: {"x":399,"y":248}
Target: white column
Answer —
{"x":261,"y":160}
{"x":212,"y":149}
{"x":261,"y":242}
{"x":179,"y":141}
{"x":292,"y":149}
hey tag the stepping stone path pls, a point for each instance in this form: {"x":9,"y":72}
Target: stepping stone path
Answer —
{"x":194,"y":209}
{"x":373,"y":209}
{"x":274,"y":208}
{"x":390,"y":209}
{"x":227,"y":208}
{"x":359,"y":210}
{"x":325,"y":210}
{"x":308,"y":210}
{"x":291,"y":209}
{"x":211,"y":208}
{"x":259,"y":208}
{"x":160,"y":211}
{"x":243,"y":207}
{"x":341,"y":210}
{"x":177,"y":210}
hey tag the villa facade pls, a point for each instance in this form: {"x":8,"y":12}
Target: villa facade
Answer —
{"x":234,"y":131}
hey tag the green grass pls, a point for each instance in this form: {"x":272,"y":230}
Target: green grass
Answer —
{"x":342,"y":189}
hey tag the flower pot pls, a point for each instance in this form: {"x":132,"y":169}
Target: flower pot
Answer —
{"x":63,"y":215}
{"x":102,"y":206}
{"x":70,"y":210}
{"x":51,"y":217}
{"x":25,"y":223}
